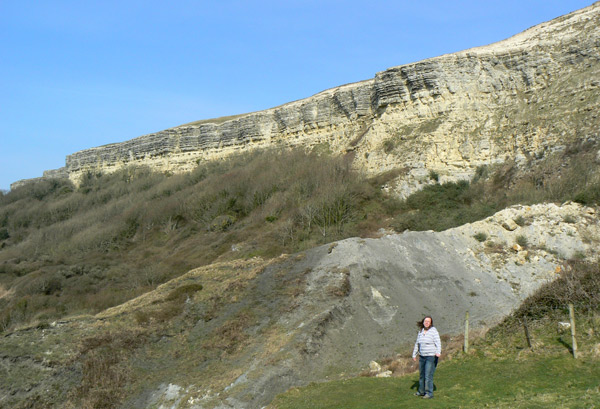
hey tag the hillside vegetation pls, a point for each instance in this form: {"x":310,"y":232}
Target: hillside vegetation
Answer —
{"x":67,"y":250}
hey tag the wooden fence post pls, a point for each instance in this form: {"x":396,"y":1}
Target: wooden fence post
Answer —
{"x":527,"y":333}
{"x":466,"y":347}
{"x":572,"y":318}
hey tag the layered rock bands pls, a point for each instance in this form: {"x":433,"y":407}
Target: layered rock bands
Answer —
{"x":517,"y":99}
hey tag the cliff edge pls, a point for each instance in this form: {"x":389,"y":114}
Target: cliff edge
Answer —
{"x":516,"y":99}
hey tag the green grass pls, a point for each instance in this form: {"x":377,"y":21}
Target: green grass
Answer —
{"x":472,"y":382}
{"x":480,"y":237}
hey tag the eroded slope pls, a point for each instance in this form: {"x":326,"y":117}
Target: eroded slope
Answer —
{"x":236,"y":334}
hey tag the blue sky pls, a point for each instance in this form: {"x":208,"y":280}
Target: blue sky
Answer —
{"x":78,"y":74}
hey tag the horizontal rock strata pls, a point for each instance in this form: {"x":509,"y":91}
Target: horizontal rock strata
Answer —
{"x":519,"y":98}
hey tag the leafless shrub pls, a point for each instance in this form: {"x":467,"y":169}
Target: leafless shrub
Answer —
{"x":343,"y":287}
{"x":104,"y":368}
{"x":231,"y":335}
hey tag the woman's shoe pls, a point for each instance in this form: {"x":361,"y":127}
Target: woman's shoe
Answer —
{"x":427,"y":397}
{"x":419,"y":394}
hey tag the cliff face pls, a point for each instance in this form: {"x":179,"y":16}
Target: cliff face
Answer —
{"x":516,"y":99}
{"x":334,"y":117}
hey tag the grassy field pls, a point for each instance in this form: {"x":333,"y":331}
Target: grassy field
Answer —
{"x":473,"y":382}
{"x":489,"y":377}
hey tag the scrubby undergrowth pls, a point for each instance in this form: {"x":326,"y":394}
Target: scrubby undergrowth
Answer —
{"x":73,"y":250}
{"x":572,"y":174}
{"x":67,"y":250}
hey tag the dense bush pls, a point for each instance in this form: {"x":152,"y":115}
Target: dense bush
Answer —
{"x":183,"y":292}
{"x":573,"y":174}
{"x":578,"y":284}
{"x":442,"y":206}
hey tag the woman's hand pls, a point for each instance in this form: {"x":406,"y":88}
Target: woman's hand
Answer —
{"x":438,"y":355}
{"x":415,"y":359}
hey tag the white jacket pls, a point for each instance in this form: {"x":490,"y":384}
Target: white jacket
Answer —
{"x":428,"y":343}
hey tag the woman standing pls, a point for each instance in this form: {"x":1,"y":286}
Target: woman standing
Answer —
{"x":429,"y":348}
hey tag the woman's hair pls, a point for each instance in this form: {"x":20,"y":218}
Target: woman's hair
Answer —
{"x":420,"y":323}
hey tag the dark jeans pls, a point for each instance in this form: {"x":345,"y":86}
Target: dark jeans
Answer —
{"x":427,"y":366}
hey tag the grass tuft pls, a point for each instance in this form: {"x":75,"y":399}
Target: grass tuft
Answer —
{"x":480,"y":237}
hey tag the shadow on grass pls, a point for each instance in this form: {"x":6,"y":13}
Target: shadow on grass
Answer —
{"x":565,"y":344}
{"x":415,"y":385}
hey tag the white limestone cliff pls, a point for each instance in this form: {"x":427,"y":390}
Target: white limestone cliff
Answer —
{"x":516,"y":99}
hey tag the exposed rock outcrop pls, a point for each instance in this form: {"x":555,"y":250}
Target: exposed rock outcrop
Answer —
{"x":391,"y":279}
{"x":321,"y":314}
{"x":60,"y":173}
{"x":519,"y":98}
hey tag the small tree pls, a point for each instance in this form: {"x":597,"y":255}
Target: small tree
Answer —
{"x":433,"y":175}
